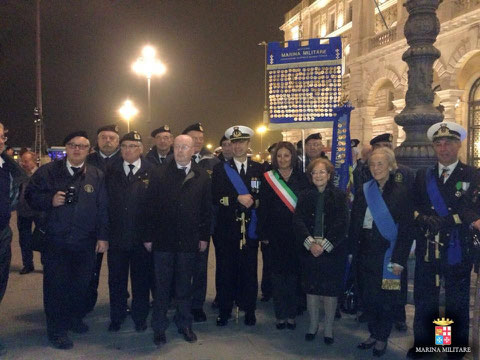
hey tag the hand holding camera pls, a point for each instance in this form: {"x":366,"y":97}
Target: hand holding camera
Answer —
{"x":64,"y":197}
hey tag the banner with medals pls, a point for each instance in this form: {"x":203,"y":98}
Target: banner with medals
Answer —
{"x":304,"y":81}
{"x":342,"y":149}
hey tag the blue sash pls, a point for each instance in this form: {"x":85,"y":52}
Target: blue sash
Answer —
{"x":454,"y":250}
{"x":387,"y":228}
{"x":241,"y":189}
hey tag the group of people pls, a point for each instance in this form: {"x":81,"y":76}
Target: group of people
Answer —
{"x":154,"y":216}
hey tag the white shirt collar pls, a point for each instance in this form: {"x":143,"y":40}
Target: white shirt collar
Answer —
{"x":185,"y":166}
{"x":106,"y":156}
{"x":450,"y":167}
{"x":69,"y":167}
{"x":1,"y":162}
{"x":137,"y":164}
{"x":238,"y":164}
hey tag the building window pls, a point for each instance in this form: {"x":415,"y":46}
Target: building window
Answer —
{"x":295,"y":32}
{"x":331,"y":20}
{"x":349,"y":12}
{"x":316,"y":29}
{"x":473,"y":155}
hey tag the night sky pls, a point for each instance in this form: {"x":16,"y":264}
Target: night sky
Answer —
{"x":215,"y":67}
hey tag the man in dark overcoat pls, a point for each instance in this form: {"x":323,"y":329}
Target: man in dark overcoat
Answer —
{"x":161,"y":153}
{"x":446,"y":198}
{"x":127,"y":183}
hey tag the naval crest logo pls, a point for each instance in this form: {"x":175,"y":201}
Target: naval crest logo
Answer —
{"x":443,"y":331}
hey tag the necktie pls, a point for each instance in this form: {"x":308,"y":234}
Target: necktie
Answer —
{"x":162,"y":159}
{"x":242,"y":171}
{"x":195,"y":158}
{"x":445,"y":174}
{"x":75,"y":170}
{"x":184,"y":168}
{"x":130,"y":174}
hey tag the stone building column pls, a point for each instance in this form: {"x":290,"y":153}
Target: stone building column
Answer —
{"x":365,"y":116}
{"x":363,"y":26}
{"x":449,"y":99}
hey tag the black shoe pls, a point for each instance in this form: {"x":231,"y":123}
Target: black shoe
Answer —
{"x":280,"y":325}
{"x":27,"y":270}
{"x":328,"y":340}
{"x":141,"y":326}
{"x":365,"y":346}
{"x":338,"y":314}
{"x":265,"y":298}
{"x":291,"y":326}
{"x":114,"y":326}
{"x":61,"y":341}
{"x":222,"y":320}
{"x":412,"y":354}
{"x":79,"y":327}
{"x":188,"y":334}
{"x":250,"y":319}
{"x":199,"y":315}
{"x":159,"y":339}
{"x":310,"y":337}
{"x":401,"y":326}
{"x":381,"y":352}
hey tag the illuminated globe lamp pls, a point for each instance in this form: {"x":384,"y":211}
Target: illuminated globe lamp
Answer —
{"x":128,"y":111}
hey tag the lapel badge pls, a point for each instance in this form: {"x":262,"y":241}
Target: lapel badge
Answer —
{"x":458,"y":194}
{"x":399,"y":177}
{"x":88,"y":188}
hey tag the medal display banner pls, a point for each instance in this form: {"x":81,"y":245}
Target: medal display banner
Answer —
{"x":304,"y":81}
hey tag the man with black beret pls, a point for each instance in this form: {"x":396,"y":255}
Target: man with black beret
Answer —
{"x":161,"y":153}
{"x":227,"y":150}
{"x":106,"y":153}
{"x":313,"y":148}
{"x":206,"y":160}
{"x":73,"y":195}
{"x":127,"y":183}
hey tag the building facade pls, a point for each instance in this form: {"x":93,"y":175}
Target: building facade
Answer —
{"x":375,"y":76}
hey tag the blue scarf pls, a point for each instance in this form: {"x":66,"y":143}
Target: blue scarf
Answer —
{"x":241,"y":189}
{"x":387,"y":228}
{"x":454,"y":250}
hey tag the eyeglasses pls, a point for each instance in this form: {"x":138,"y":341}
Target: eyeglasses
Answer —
{"x":4,"y":138}
{"x":319,"y":172}
{"x":78,"y":146}
{"x":182,"y":147}
{"x":130,"y":147}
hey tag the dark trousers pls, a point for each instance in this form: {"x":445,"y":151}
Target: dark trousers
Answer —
{"x":238,"y":281}
{"x":92,"y":291}
{"x":5,"y":258}
{"x":177,"y":267}
{"x":285,"y":295}
{"x":457,"y":299}
{"x":24,"y":225}
{"x":380,"y":310}
{"x":399,"y":314}
{"x":199,"y":283}
{"x":217,"y":272}
{"x":66,"y":275}
{"x":138,"y":263}
{"x":266,"y":284}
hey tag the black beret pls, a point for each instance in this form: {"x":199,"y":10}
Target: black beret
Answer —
{"x":131,"y":136}
{"x":271,"y":147}
{"x":354,"y":142}
{"x":111,"y":127}
{"x":73,"y":135}
{"x":193,"y":127}
{"x":223,"y":139}
{"x":316,"y":136}
{"x":382,"y":138}
{"x":164,"y":128}
{"x":299,"y":144}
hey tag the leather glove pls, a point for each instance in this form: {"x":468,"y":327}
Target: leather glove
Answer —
{"x":432,"y":223}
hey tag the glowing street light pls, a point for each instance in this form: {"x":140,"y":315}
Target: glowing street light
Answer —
{"x":209,"y":146}
{"x":127,"y":112}
{"x":148,"y":65}
{"x":261,"y":130}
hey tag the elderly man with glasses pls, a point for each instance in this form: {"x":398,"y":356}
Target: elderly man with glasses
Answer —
{"x":74,"y":197}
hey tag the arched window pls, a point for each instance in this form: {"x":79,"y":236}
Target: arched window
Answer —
{"x":474,"y":125}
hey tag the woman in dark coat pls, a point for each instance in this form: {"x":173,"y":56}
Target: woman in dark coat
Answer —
{"x":382,"y":218}
{"x":275,"y":227}
{"x":321,"y":222}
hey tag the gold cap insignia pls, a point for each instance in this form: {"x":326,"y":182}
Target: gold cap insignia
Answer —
{"x":116,"y":128}
{"x":443,"y":322}
{"x":390,"y":138}
{"x":136,"y":136}
{"x":236,"y":132}
{"x":166,"y":127}
{"x":200,"y":127}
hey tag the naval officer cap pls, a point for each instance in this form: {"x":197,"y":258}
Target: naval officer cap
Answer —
{"x":239,"y":132}
{"x":164,"y":128}
{"x":382,"y":138}
{"x":111,"y":127}
{"x":446,"y":129}
{"x":131,"y":136}
{"x":193,"y":127}
{"x":316,"y":136}
{"x":79,"y":133}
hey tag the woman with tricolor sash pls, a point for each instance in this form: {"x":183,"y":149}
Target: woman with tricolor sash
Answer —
{"x":382,"y":221}
{"x":278,"y":199}
{"x":321,"y":224}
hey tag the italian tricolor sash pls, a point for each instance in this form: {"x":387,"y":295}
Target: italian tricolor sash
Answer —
{"x":281,"y":189}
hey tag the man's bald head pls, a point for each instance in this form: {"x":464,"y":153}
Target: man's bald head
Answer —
{"x":183,"y":149}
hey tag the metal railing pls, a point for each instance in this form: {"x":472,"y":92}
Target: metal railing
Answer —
{"x":384,"y":38}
